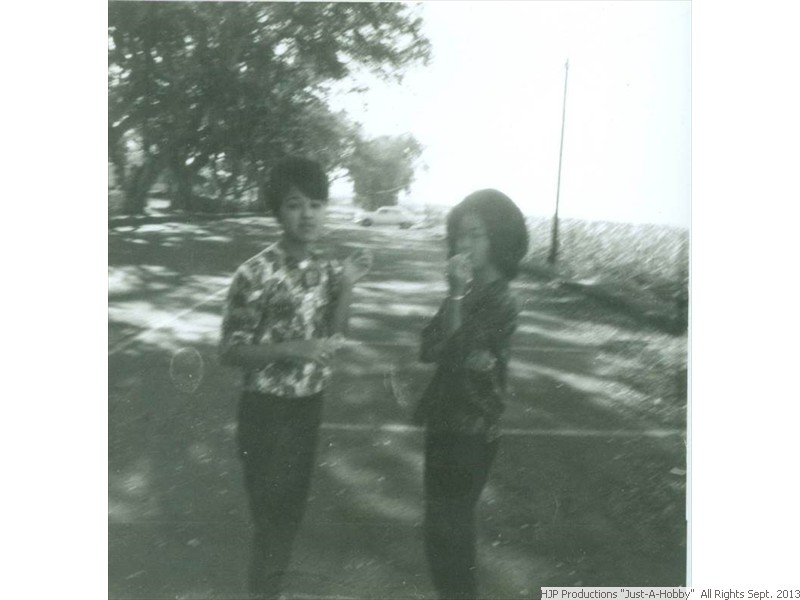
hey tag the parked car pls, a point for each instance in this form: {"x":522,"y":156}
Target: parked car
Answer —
{"x":385,"y":215}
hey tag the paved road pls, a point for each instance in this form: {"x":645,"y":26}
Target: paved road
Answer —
{"x":588,"y":488}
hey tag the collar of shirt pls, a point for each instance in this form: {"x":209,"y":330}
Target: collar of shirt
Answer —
{"x":314,"y":255}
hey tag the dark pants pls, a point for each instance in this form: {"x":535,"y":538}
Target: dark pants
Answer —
{"x":456,"y":470}
{"x":277,"y":445}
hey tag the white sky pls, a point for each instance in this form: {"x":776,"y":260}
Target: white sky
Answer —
{"x":488,"y":107}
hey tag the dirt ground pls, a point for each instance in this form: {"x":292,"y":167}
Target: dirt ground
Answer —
{"x":588,"y":488}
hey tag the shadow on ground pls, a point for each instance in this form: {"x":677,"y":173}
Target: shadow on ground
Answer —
{"x":588,"y":489}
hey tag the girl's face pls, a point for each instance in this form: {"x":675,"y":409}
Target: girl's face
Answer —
{"x":472,"y":239}
{"x":302,"y":217}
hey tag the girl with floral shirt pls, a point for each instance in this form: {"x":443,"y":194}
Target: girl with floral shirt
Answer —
{"x":284,"y":309}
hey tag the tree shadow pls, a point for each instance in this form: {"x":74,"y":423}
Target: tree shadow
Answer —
{"x":564,"y":504}
{"x":605,"y":511}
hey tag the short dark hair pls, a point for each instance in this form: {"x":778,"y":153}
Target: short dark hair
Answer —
{"x":305,"y":174}
{"x":505,"y":224}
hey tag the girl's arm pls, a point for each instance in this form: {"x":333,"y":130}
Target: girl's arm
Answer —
{"x":458,"y":274}
{"x":356,"y":266}
{"x":340,"y":322}
{"x":433,"y":339}
{"x":450,"y":317}
{"x":440,"y":330}
{"x":258,"y":356}
{"x":492,"y":336}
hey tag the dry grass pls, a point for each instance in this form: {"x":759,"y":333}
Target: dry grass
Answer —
{"x":647,"y":260}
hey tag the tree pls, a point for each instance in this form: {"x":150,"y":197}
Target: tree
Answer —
{"x":381,"y":168}
{"x":231,"y":87}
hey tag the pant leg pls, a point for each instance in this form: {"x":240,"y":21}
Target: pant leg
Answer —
{"x":277,"y":441}
{"x":456,"y":470}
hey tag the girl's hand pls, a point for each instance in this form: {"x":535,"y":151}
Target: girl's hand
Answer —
{"x":480,"y":361}
{"x":356,"y":266}
{"x":458,"y":273}
{"x":336,"y":342}
{"x":317,"y":350}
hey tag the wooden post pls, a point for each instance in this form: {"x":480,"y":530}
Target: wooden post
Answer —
{"x":551,"y":259}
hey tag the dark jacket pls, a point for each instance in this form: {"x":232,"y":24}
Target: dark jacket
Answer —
{"x":467,"y":392}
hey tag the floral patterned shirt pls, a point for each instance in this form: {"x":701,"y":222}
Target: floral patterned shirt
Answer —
{"x":467,"y":392}
{"x":274,"y":298}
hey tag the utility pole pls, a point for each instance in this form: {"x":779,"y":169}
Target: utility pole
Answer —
{"x":551,"y":259}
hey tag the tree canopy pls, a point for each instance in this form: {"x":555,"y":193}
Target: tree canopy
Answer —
{"x":216,"y":91}
{"x":381,"y":168}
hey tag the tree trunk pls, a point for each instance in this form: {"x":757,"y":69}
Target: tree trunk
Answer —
{"x":139,"y":181}
{"x":263,"y":200}
{"x":185,"y":175}
{"x":116,"y":154}
{"x":184,"y":194}
{"x":228,"y":184}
